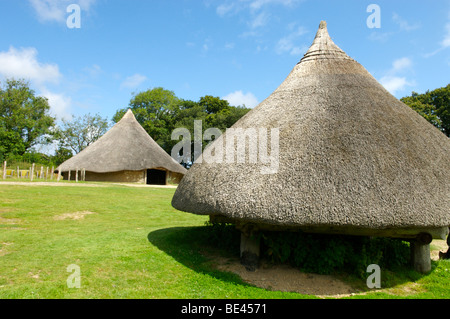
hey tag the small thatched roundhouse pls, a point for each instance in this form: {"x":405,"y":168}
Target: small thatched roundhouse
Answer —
{"x":126,"y":153}
{"x":352,"y":160}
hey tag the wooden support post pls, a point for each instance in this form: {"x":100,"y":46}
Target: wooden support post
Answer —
{"x":250,"y":248}
{"x":32,"y":171}
{"x":84,"y":174}
{"x":18,"y":172}
{"x":420,"y":253}
{"x":69,"y":176}
{"x":59,"y":175}
{"x":4,"y":170}
{"x":46,"y":173}
{"x":52,"y":172}
{"x":76,"y":175}
{"x":41,"y":174}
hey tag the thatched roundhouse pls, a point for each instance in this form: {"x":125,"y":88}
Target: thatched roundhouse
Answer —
{"x":126,"y":153}
{"x":352,"y":160}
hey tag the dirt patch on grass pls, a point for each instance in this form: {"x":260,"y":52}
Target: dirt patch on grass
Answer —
{"x":6,"y":210}
{"x":436,"y":247}
{"x":290,"y":279}
{"x":73,"y":216}
{"x":9,"y":221}
{"x":3,"y":248}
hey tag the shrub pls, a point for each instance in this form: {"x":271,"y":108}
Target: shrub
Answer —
{"x":319,"y":253}
{"x":325,"y":254}
{"x":223,"y":235}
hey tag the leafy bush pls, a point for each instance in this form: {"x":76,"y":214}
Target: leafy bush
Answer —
{"x":319,"y":253}
{"x":325,"y":254}
{"x":224,"y":236}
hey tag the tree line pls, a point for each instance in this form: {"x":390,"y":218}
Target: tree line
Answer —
{"x":25,"y":119}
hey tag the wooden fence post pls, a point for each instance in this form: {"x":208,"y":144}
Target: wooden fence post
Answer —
{"x":18,"y":172}
{"x":46,"y":173}
{"x":4,"y":170}
{"x":32,"y":172}
{"x":52,"y":173}
{"x":41,"y":175}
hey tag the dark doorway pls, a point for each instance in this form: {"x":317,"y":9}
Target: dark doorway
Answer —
{"x":156,"y":177}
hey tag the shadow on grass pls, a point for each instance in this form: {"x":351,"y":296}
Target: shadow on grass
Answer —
{"x":189,"y":246}
{"x":192,"y":247}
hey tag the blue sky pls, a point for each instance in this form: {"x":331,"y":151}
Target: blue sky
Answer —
{"x":240,"y":50}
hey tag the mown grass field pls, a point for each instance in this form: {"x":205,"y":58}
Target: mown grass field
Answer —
{"x":129,"y":242}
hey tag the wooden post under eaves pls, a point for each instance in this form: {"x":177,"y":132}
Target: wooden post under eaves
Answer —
{"x":420,"y":253}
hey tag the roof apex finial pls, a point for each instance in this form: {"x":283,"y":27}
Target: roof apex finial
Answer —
{"x":323,"y":46}
{"x":129,"y":114}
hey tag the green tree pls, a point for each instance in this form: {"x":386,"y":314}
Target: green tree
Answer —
{"x":160,"y":112}
{"x":434,"y":106}
{"x":80,"y":132}
{"x":155,"y":110}
{"x":61,"y":155}
{"x":213,"y":105}
{"x":24,"y":118}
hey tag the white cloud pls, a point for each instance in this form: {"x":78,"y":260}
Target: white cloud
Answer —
{"x":404,"y":25}
{"x":401,"y":64}
{"x":230,"y":45}
{"x":94,"y":71}
{"x":55,"y":10}
{"x":394,"y":84}
{"x":380,"y":36}
{"x":393,"y":81}
{"x":258,"y":11}
{"x":258,"y":4}
{"x":23,"y":64}
{"x":223,"y":9}
{"x":288,"y":43}
{"x":235,"y":6}
{"x":133,"y":81}
{"x":60,"y":104}
{"x":259,"y":20}
{"x":446,"y":41}
{"x":238,"y":98}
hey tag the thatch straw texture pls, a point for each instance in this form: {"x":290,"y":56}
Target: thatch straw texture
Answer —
{"x":125,"y":147}
{"x":350,"y":155}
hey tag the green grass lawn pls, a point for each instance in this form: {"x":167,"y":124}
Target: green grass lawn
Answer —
{"x":129,"y":243}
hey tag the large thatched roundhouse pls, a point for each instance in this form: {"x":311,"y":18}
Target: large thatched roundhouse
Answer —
{"x":352,"y":160}
{"x":126,"y":153}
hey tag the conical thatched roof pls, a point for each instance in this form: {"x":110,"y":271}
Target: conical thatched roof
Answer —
{"x":126,"y":146}
{"x":350,"y":156}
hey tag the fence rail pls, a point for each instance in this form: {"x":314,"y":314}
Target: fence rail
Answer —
{"x":42,"y":173}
